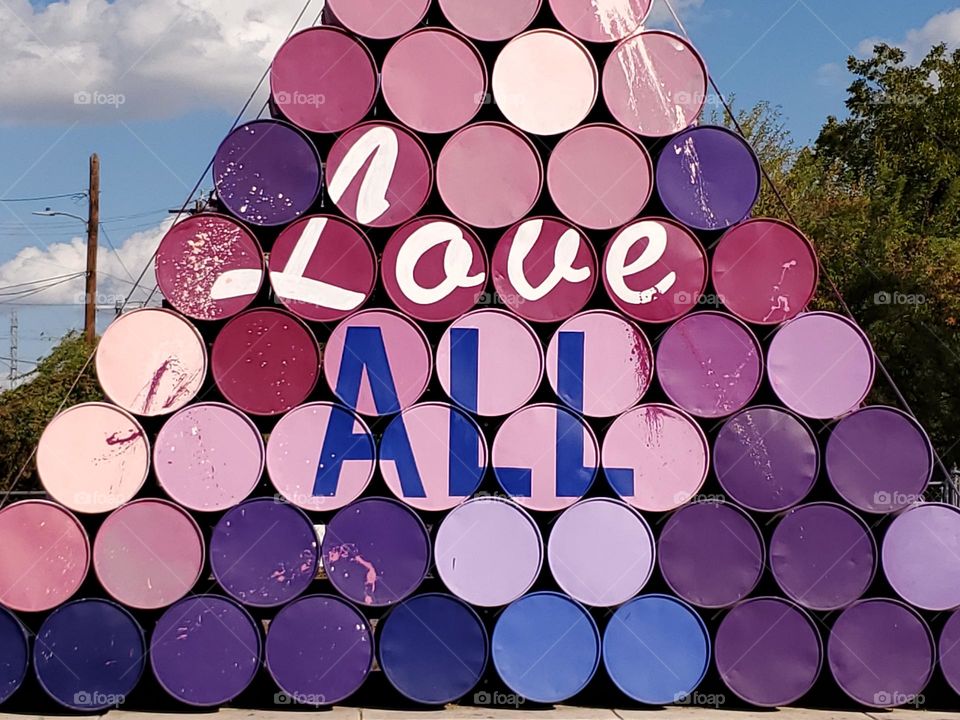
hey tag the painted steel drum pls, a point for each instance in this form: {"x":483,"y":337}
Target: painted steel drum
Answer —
{"x":14,"y":654}
{"x":921,"y":556}
{"x":949,"y":654}
{"x":490,"y":21}
{"x":601,"y":21}
{"x":377,"y":19}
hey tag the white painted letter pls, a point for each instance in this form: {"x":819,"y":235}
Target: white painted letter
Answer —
{"x":381,"y":142}
{"x":564,"y":256}
{"x":617,"y":268}
{"x":457,"y":259}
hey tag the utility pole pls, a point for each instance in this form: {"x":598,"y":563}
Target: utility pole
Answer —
{"x":93,"y":231}
{"x":14,"y":348}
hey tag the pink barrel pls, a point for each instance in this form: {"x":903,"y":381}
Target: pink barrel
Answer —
{"x":601,"y":21}
{"x":492,"y":20}
{"x":378,"y":19}
{"x":924,"y":578}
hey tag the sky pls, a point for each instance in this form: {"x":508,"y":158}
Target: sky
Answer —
{"x":153,"y":85}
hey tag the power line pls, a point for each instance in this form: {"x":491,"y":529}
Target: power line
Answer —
{"x":37,"y":282}
{"x":75,"y":195}
{"x":14,"y":300}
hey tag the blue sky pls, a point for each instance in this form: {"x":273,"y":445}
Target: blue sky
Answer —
{"x":184,"y":69}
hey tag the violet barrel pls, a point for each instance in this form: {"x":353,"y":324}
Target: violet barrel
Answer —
{"x":921,"y":556}
{"x":14,"y":654}
{"x":949,"y":654}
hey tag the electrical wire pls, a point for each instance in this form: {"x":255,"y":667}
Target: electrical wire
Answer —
{"x":75,"y":195}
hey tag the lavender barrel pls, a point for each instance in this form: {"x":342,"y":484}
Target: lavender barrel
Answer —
{"x":205,"y":650}
{"x":546,"y":647}
{"x":151,"y":361}
{"x":709,"y":364}
{"x":765,"y":271}
{"x":376,"y":552}
{"x":376,"y":19}
{"x":319,"y":650}
{"x":264,"y":552}
{"x":823,"y":556}
{"x":323,"y":80}
{"x":711,"y":554}
{"x":209,"y":267}
{"x":599,"y":363}
{"x":655,"y":457}
{"x":148,"y":554}
{"x":768,"y":652}
{"x":490,"y":21}
{"x":267,"y":173}
{"x":708,"y":178}
{"x":601,"y":21}
{"x":879,"y":459}
{"x":821,"y":365}
{"x":921,"y":556}
{"x":433,"y":456}
{"x":488,"y":551}
{"x":433,"y":648}
{"x":321,"y":456}
{"x":46,"y":555}
{"x":766,"y":459}
{"x":949,"y":654}
{"x":881,"y":653}
{"x":208,"y":457}
{"x":265,"y":361}
{"x":656,"y":649}
{"x":617,"y":561}
{"x":655,"y":83}
{"x":89,"y":655}
{"x":14,"y":654}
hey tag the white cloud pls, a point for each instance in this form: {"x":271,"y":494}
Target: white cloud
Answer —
{"x":832,"y":75}
{"x":942,"y":28}
{"x":660,"y":14}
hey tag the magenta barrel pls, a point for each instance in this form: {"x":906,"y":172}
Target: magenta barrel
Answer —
{"x":709,"y":364}
{"x":766,"y":458}
{"x":376,"y":551}
{"x":319,"y":650}
{"x":921,"y":556}
{"x":209,"y":267}
{"x":265,"y":361}
{"x":765,"y":271}
{"x":323,"y":80}
{"x":378,"y":20}
{"x":949,"y":654}
{"x":208,"y":457}
{"x":151,"y":361}
{"x":711,"y":554}
{"x":148,"y":554}
{"x":881,"y":653}
{"x":823,"y":556}
{"x":205,"y":650}
{"x":14,"y":654}
{"x":264,"y":552}
{"x":708,"y":178}
{"x":267,"y":173}
{"x":46,"y":555}
{"x":614,"y":565}
{"x":879,"y":459}
{"x":488,"y":551}
{"x":601,"y":21}
{"x":90,"y":655}
{"x":821,"y":365}
{"x":768,"y":652}
{"x":490,"y":21}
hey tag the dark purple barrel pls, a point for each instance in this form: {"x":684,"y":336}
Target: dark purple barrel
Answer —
{"x":823,"y":556}
{"x":376,"y":551}
{"x":881,"y":653}
{"x":264,"y":552}
{"x":879,"y":459}
{"x":950,"y":651}
{"x":205,"y":650}
{"x":14,"y":654}
{"x":433,"y":648}
{"x":319,"y":650}
{"x":768,"y":652}
{"x":711,"y":554}
{"x":89,"y":655}
{"x":921,"y":556}
{"x":766,"y":458}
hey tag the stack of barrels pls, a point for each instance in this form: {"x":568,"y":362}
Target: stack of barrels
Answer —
{"x":481,"y":382}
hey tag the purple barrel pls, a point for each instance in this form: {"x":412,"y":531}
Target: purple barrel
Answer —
{"x":709,"y":364}
{"x":209,"y":267}
{"x":921,"y":556}
{"x":617,"y":561}
{"x":264,"y":552}
{"x":376,"y":551}
{"x":711,"y":554}
{"x":208,"y":457}
{"x":89,"y":655}
{"x":766,"y":458}
{"x":601,"y":21}
{"x":46,"y":555}
{"x":148,"y":554}
{"x":323,"y":80}
{"x":433,"y":648}
{"x":205,"y":650}
{"x":881,"y":653}
{"x":265,"y":361}
{"x":319,"y":650}
{"x":490,"y":21}
{"x":376,"y":19}
{"x":823,"y":556}
{"x":949,"y":654}
{"x":768,"y":652}
{"x":488,"y":551}
{"x":879,"y":459}
{"x":708,"y":178}
{"x":267,"y":173}
{"x":14,"y":654}
{"x":821,"y":365}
